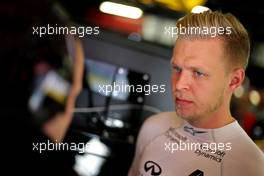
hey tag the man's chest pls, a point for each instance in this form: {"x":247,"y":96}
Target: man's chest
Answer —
{"x":176,"y":155}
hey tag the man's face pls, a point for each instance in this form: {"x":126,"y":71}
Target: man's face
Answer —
{"x":199,"y":79}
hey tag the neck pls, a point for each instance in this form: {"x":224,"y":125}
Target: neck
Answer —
{"x":216,"y":119}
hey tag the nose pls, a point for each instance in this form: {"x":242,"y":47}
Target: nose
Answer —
{"x":180,"y":82}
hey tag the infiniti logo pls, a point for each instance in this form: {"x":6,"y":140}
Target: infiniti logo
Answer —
{"x":192,"y":131}
{"x":197,"y":173}
{"x":153,"y":167}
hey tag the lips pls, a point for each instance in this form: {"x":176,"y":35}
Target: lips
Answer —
{"x":182,"y":102}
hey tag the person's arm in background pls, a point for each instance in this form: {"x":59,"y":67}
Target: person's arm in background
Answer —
{"x":57,"y":127}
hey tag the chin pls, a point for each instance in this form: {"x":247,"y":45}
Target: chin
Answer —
{"x":183,"y":115}
{"x":188,"y":116}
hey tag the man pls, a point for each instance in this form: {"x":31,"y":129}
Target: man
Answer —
{"x":202,"y":137}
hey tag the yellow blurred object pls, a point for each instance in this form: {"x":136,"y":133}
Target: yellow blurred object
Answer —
{"x":260,"y":144}
{"x":177,"y":5}
{"x":57,"y":96}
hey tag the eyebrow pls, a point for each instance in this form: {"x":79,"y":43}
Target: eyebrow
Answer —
{"x":191,"y":67}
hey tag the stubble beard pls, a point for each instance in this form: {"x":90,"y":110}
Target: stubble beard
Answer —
{"x":200,"y":115}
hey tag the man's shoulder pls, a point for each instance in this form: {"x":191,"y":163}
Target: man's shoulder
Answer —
{"x":244,"y":150}
{"x":164,"y":119}
{"x":244,"y":154}
{"x":156,"y":125}
{"x":244,"y":145}
{"x":159,"y":123}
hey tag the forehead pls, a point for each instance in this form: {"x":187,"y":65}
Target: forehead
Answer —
{"x":207,"y":53}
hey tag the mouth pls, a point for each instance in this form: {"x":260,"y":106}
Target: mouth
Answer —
{"x":182,"y":102}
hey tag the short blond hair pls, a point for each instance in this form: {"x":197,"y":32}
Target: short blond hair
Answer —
{"x":236,"y":41}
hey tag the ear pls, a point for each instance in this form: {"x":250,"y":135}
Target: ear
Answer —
{"x":237,"y":78}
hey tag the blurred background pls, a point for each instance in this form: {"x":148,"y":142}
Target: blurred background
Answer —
{"x":131,"y":47}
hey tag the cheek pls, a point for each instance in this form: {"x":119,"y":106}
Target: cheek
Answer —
{"x":207,"y":93}
{"x":202,"y":92}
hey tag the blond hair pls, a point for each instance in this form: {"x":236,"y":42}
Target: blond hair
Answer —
{"x":234,"y":35}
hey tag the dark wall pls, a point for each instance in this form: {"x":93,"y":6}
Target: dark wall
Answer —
{"x":143,"y":61}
